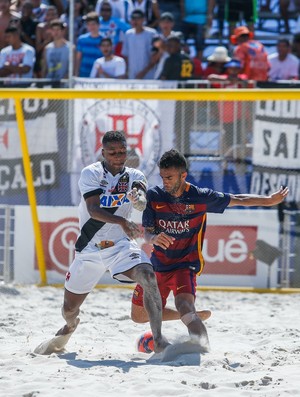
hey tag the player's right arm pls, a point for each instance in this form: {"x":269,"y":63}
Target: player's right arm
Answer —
{"x":100,"y":214}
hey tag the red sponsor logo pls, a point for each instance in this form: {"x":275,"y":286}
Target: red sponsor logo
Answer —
{"x":226,"y":250}
{"x":59,"y":239}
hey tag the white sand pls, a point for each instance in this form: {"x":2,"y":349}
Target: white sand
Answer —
{"x":255,"y":347}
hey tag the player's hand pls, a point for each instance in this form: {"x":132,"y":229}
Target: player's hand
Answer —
{"x":131,"y":229}
{"x":279,"y":196}
{"x":162,"y":240}
{"x":133,"y":195}
{"x":138,"y":199}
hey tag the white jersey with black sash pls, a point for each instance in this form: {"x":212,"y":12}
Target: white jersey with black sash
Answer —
{"x":112,"y":190}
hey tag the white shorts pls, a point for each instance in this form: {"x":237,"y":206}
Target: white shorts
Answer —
{"x":87,"y":268}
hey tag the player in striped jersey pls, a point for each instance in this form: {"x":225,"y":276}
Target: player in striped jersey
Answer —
{"x":175,"y":221}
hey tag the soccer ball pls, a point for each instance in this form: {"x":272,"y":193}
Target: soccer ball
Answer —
{"x":145,"y":343}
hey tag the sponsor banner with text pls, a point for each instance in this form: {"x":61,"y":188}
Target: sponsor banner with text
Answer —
{"x":276,"y":148}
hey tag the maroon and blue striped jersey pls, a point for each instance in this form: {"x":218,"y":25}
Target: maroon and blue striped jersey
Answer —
{"x":183,"y":218}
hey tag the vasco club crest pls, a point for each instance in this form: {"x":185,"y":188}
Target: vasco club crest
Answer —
{"x":136,"y":118}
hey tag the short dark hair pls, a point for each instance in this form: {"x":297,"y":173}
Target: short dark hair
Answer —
{"x":172,"y":158}
{"x":12,"y":29}
{"x":114,"y":136}
{"x":284,"y":41}
{"x":137,"y":14}
{"x":106,"y":39}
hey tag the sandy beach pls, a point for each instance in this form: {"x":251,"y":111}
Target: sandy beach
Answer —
{"x":254,"y":338}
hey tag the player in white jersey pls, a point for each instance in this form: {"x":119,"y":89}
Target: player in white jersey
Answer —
{"x":109,"y":191}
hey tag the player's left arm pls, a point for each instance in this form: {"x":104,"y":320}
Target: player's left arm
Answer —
{"x":253,"y":200}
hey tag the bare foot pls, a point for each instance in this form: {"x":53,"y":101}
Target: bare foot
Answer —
{"x":160,"y":344}
{"x":203,"y":314}
{"x":68,"y":329}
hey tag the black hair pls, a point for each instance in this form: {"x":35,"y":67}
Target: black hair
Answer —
{"x":137,"y":13}
{"x":107,"y":39}
{"x":114,"y":136}
{"x":284,"y":41}
{"x":172,"y":158}
{"x":11,"y":29}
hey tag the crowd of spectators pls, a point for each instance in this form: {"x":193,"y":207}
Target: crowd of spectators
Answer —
{"x":139,"y":39}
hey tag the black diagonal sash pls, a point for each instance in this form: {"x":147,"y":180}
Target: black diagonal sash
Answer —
{"x":89,"y":229}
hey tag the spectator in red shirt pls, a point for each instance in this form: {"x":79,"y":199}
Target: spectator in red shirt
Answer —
{"x":216,"y":62}
{"x":251,"y":53}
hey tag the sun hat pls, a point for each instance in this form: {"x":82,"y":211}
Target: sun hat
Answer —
{"x":220,"y":54}
{"x":239,"y":31}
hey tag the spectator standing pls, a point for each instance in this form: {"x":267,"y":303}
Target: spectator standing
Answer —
{"x":150,"y":9}
{"x":55,"y":63}
{"x":43,"y":37}
{"x":197,"y":17}
{"x":240,"y":11}
{"x":27,"y":24}
{"x":283,"y":64}
{"x":88,"y":46}
{"x":138,"y":40}
{"x":112,"y":27}
{"x":157,"y":59}
{"x":178,"y":66}
{"x":110,"y":65}
{"x":5,"y":17}
{"x":120,"y":9}
{"x":251,"y":53}
{"x":166,"y":25}
{"x":80,"y":9}
{"x":39,"y":10}
{"x":172,"y":6}
{"x":17,"y":59}
{"x":216,"y":61}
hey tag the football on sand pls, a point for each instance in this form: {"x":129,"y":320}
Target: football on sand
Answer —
{"x":145,"y":343}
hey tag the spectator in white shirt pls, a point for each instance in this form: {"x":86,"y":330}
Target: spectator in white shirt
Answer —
{"x":110,"y":65}
{"x":283,"y":64}
{"x":17,"y":59}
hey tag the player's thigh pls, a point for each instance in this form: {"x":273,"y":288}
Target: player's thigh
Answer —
{"x":183,"y":281}
{"x":126,"y":261}
{"x":84,"y":273}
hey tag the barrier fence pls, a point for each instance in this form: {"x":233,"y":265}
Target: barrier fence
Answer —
{"x":236,"y":141}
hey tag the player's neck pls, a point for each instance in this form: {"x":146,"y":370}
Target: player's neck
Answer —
{"x":180,"y":190}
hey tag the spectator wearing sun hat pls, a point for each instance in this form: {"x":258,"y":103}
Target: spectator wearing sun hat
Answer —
{"x":216,"y":61}
{"x":232,"y":75}
{"x":251,"y":53}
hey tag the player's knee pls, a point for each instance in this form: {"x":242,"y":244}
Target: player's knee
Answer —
{"x":147,"y":277}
